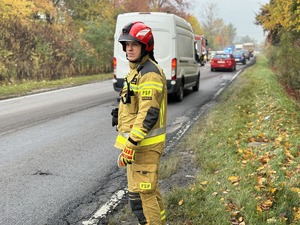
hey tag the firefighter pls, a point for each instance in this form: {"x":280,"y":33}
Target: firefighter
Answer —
{"x":141,"y":124}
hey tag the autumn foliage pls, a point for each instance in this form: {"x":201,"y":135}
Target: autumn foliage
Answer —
{"x":281,"y":21}
{"x":35,"y":45}
{"x":45,"y":40}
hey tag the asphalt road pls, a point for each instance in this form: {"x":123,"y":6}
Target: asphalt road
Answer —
{"x":57,"y":161}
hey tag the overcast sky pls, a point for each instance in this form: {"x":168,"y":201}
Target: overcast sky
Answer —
{"x":241,"y":13}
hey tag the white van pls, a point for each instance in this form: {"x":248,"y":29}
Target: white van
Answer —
{"x":174,"y":49}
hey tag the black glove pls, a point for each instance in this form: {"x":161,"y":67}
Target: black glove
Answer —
{"x":114,"y":114}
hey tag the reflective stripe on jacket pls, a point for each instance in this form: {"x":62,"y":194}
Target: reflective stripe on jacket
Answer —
{"x":142,"y":108}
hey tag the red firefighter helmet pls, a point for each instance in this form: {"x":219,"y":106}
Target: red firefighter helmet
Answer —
{"x":137,"y":31}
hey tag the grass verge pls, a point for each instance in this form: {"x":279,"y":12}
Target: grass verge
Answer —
{"x":247,"y":149}
{"x":29,"y":87}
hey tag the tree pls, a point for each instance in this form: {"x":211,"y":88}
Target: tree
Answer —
{"x":219,"y":34}
{"x":90,"y":10}
{"x":178,"y":7}
{"x":195,"y":24}
{"x":279,"y":16}
{"x":281,"y":19}
{"x":246,"y":39}
{"x":25,"y":9}
{"x":210,"y":17}
{"x":163,"y":5}
{"x":134,"y":6}
{"x":231,"y":33}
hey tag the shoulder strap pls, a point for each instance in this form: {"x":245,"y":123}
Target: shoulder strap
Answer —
{"x":147,"y":67}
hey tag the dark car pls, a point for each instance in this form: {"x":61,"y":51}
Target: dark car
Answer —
{"x":239,"y":57}
{"x":247,"y":54}
{"x":223,"y":61}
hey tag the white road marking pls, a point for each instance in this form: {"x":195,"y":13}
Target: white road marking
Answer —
{"x":108,"y":206}
{"x":222,"y":89}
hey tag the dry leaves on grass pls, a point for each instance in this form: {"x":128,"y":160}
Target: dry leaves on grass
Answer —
{"x":273,"y":152}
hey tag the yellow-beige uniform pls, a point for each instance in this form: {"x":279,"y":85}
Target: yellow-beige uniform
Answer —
{"x":142,"y":127}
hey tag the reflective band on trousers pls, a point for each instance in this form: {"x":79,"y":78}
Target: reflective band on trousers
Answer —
{"x":163,"y":215}
{"x":147,"y":141}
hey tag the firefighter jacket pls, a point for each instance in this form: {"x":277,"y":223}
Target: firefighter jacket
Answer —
{"x":142,"y":108}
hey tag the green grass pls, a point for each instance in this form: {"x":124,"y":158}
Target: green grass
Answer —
{"x":29,"y":87}
{"x":168,"y":167}
{"x":247,"y":149}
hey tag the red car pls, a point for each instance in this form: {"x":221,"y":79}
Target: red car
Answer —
{"x":223,"y":61}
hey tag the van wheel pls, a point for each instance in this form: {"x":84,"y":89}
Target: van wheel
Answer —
{"x":196,"y":87}
{"x":179,"y":94}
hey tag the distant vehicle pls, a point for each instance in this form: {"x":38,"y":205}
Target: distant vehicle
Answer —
{"x":223,"y":61}
{"x":238,"y":47}
{"x":250,"y":47}
{"x":201,"y":48}
{"x":228,"y":50}
{"x":239,"y":57}
{"x":247,"y":54}
{"x":174,"y":50}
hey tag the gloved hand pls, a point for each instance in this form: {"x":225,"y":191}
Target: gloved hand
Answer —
{"x":126,"y":157}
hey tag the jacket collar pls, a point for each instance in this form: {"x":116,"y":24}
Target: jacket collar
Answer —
{"x":134,"y":65}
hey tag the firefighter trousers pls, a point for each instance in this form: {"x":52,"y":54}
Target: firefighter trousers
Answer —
{"x":144,"y":195}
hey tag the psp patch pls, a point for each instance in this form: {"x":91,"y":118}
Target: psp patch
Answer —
{"x":145,"y":186}
{"x":146,"y":94}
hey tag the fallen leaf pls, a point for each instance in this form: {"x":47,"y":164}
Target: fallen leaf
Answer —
{"x":273,"y":190}
{"x":271,"y":220}
{"x":296,"y":213}
{"x":180,"y":202}
{"x":234,"y":179}
{"x":294,"y":189}
{"x":265,"y":205}
{"x":258,"y":208}
{"x":278,"y":139}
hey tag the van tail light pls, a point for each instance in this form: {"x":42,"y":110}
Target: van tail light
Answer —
{"x":174,"y":68}
{"x":115,"y":67}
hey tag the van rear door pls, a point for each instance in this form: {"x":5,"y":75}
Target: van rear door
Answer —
{"x":186,"y":53}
